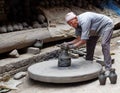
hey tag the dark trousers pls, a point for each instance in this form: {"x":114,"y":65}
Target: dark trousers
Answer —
{"x":91,"y":43}
{"x":105,"y":43}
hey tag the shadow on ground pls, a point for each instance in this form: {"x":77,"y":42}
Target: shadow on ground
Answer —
{"x":59,"y":85}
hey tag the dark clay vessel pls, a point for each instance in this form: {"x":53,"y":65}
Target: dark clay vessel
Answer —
{"x":113,"y":76}
{"x":64,"y":59}
{"x":102,"y":78}
{"x":38,"y":43}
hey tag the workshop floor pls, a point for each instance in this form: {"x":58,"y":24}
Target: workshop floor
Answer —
{"x":30,"y":86}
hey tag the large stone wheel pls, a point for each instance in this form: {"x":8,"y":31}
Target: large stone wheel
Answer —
{"x":80,"y":70}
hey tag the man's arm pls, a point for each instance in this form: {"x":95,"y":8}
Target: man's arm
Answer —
{"x":79,"y":43}
{"x":75,"y":40}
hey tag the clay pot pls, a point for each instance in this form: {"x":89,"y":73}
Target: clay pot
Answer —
{"x":113,"y":76}
{"x":9,"y":28}
{"x":102,"y":77}
{"x":38,"y":44}
{"x":25,"y":24}
{"x":30,"y":27}
{"x":15,"y":27}
{"x":3,"y":29}
{"x":36,"y":24}
{"x":20,"y":26}
{"x":41,"y":18}
{"x":44,"y":25}
{"x":64,"y":60}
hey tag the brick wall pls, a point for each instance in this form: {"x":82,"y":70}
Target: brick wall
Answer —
{"x":2,"y":10}
{"x":2,"y":7}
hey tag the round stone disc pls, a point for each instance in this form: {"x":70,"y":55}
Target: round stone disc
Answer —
{"x":80,"y":70}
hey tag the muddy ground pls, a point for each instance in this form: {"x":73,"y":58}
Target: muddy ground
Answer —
{"x":31,"y":86}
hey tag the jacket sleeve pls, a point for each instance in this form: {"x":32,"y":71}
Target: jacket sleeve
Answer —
{"x":85,"y":29}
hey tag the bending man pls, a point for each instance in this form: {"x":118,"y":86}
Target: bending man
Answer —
{"x":89,"y":27}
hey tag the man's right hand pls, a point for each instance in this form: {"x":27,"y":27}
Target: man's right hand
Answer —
{"x":72,"y":46}
{"x":65,"y":43}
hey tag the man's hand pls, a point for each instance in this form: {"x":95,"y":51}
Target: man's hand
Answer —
{"x":65,"y":43}
{"x":71,"y":46}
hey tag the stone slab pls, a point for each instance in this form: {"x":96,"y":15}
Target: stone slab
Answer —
{"x":14,"y":65}
{"x":80,"y":70}
{"x":33,"y":50}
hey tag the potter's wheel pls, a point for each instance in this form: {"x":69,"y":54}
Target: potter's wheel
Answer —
{"x":80,"y":70}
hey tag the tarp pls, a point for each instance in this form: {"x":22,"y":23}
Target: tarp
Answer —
{"x":110,"y":4}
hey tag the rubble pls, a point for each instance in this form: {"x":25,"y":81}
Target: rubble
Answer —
{"x":11,"y":84}
{"x":33,"y":50}
{"x":14,"y":54}
{"x":19,"y":75}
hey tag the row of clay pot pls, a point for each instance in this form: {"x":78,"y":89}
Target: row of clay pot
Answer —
{"x":80,"y":3}
{"x":20,"y":26}
{"x":112,"y":77}
{"x":40,"y":22}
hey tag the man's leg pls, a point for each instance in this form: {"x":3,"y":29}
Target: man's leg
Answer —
{"x":91,"y":43}
{"x":106,"y":47}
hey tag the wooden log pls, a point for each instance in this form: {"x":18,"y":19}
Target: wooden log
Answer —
{"x":25,"y":38}
{"x":21,"y":39}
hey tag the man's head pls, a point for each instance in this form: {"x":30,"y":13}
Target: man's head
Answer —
{"x":71,"y":19}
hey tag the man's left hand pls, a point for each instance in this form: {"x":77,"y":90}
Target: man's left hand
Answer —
{"x":71,"y":46}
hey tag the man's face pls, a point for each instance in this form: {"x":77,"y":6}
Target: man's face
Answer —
{"x":73,"y":22}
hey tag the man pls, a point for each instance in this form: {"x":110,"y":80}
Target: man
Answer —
{"x":89,"y":27}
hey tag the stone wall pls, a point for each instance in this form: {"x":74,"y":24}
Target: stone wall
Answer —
{"x":23,"y":64}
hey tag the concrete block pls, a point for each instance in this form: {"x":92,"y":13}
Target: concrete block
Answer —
{"x":33,"y":50}
{"x":14,"y":54}
{"x":20,"y":75}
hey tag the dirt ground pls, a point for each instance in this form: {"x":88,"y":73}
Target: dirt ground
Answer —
{"x":30,"y":86}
